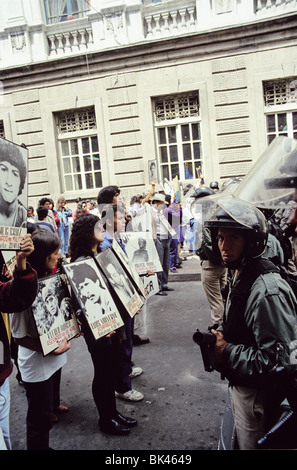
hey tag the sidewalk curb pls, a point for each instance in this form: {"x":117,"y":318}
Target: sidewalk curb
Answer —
{"x":190,"y":270}
{"x":184,"y":277}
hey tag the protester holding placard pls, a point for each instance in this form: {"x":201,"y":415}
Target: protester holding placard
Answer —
{"x":15,"y":295}
{"x":162,"y":239}
{"x":39,"y":373}
{"x":113,"y":218}
{"x":87,"y":233}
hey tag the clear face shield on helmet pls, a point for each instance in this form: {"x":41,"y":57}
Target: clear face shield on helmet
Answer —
{"x":201,"y":210}
{"x":243,"y":213}
{"x":272,"y":180}
{"x":235,"y":214}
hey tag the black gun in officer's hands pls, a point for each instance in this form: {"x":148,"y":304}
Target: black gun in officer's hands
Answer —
{"x":206,"y":341}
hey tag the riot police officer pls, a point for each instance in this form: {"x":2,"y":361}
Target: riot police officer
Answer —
{"x":259,"y":323}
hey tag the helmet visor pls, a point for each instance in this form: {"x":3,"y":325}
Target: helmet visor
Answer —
{"x":244,"y":214}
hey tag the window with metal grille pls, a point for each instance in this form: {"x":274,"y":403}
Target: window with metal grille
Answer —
{"x":280,"y":92}
{"x":280,"y":99}
{"x":57,"y":11}
{"x":177,"y":107}
{"x":79,"y":149}
{"x":179,"y":142}
{"x":76,"y":120}
{"x":2,"y":133}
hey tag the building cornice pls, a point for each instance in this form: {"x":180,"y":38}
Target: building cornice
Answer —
{"x":279,"y":32}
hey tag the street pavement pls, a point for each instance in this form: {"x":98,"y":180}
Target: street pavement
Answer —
{"x":183,"y":405}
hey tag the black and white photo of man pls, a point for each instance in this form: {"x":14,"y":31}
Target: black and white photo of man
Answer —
{"x":94,"y":295}
{"x":51,"y":302}
{"x":120,"y":283}
{"x":152,"y":171}
{"x":141,"y":255}
{"x":13,"y":192}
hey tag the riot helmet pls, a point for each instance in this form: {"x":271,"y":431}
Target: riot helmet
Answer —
{"x":202,"y":191}
{"x":236,"y":214}
{"x":214,"y":185}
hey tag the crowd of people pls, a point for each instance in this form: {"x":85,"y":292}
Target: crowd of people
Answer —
{"x":250,"y":326}
{"x":57,"y":235}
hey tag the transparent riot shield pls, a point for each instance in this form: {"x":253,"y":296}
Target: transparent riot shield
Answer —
{"x":272,"y":180}
{"x":201,"y":210}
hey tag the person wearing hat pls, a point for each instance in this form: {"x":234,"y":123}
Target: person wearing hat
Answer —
{"x":256,"y":343}
{"x":162,"y":240}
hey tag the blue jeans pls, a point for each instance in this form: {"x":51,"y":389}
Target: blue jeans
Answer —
{"x":4,"y":416}
{"x":64,"y":236}
{"x":173,"y":252}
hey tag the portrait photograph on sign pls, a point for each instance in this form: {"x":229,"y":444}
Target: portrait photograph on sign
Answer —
{"x":53,"y":313}
{"x":142,"y":219}
{"x":152,"y":168}
{"x":13,"y":194}
{"x":141,"y":250}
{"x":124,"y":260}
{"x":93,"y":297}
{"x":119,"y":281}
{"x":167,"y":187}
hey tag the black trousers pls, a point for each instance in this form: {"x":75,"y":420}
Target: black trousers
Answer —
{"x":103,"y":385}
{"x":41,"y":398}
{"x":123,"y":351}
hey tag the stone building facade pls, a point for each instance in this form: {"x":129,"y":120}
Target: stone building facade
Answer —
{"x":103,"y":91}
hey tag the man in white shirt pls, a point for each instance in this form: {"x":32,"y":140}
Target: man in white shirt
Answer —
{"x":162,"y":240}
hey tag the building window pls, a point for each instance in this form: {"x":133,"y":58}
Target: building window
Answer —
{"x":179,"y":142}
{"x":2,"y":133}
{"x":280,"y":100}
{"x":79,"y":148}
{"x":281,"y":124}
{"x":57,"y":11}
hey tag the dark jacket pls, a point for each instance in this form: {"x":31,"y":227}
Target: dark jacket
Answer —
{"x":206,"y":252}
{"x":260,"y":328}
{"x":16,"y":295}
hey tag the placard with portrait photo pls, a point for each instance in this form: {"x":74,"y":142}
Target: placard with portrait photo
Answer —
{"x":141,"y":250}
{"x":119,"y":281}
{"x":141,"y":219}
{"x":152,"y":170}
{"x":53,"y":312}
{"x":13,"y":194}
{"x":124,"y":260}
{"x":93,"y":297}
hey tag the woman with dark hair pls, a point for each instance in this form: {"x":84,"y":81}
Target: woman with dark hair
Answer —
{"x":40,"y":374}
{"x":87,"y":233}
